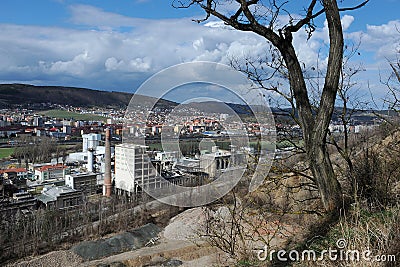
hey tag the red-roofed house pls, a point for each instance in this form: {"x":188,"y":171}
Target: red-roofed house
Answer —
{"x":20,"y":173}
{"x":51,"y":172}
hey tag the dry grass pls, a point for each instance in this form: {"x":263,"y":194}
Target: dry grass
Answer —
{"x":362,"y":230}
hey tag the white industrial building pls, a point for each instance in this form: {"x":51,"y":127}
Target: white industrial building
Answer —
{"x":215,"y":161}
{"x":133,"y":169}
{"x":92,"y":153}
{"x":88,"y":183}
{"x":90,"y":141}
{"x":165,"y":161}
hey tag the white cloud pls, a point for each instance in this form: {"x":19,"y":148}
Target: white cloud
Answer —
{"x":76,"y":66}
{"x":346,"y":21}
{"x":93,"y":16}
{"x":98,"y":53}
{"x":383,"y":40}
{"x":133,"y":65}
{"x":217,"y":24}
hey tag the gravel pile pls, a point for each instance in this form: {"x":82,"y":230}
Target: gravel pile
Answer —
{"x":93,"y":250}
{"x":53,"y":259}
{"x":186,"y":225}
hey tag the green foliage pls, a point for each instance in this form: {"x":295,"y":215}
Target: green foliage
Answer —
{"x":289,"y":143}
{"x":6,"y":152}
{"x":246,"y":263}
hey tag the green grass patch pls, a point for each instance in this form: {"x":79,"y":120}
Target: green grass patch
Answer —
{"x":287,"y":143}
{"x":63,"y":114}
{"x":6,"y":152}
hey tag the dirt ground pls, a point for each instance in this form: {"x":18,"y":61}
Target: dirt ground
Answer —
{"x":179,"y":244}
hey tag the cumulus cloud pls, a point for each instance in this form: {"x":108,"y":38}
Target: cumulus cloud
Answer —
{"x":133,"y":65}
{"x":346,"y":21}
{"x":383,"y":40}
{"x":100,"y":52}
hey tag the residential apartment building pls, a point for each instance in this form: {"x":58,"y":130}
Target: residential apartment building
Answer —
{"x":19,"y":173}
{"x":51,"y":172}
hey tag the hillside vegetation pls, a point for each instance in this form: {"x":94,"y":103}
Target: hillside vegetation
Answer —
{"x":25,"y":94}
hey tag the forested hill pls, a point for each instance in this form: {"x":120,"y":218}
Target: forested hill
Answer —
{"x":25,"y":94}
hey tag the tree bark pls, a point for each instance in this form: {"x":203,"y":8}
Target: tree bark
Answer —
{"x":315,"y":127}
{"x":328,"y":185}
{"x":321,"y":166}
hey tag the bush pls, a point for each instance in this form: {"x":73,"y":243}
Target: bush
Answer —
{"x":375,"y":178}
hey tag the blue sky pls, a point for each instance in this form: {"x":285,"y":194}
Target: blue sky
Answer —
{"x":116,"y":45}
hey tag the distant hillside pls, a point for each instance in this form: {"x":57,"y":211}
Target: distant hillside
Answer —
{"x":221,"y":107}
{"x":25,"y":94}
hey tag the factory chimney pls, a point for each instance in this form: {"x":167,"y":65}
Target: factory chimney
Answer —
{"x":107,"y":160}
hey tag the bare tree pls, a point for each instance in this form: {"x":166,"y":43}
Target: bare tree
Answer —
{"x":350,"y":102}
{"x":393,"y":85}
{"x":391,"y":101}
{"x":392,"y":82}
{"x":262,"y":18}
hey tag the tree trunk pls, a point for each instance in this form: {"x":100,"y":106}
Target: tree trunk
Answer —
{"x":322,"y":170}
{"x":315,"y":127}
{"x":329,"y":187}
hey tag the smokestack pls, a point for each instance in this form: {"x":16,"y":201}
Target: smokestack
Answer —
{"x":107,"y":160}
